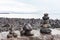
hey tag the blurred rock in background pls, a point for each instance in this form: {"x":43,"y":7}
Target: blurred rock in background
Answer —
{"x":20,"y":22}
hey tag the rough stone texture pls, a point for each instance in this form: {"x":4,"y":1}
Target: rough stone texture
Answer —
{"x":41,"y":37}
{"x":45,"y":30}
{"x":23,"y":38}
{"x":20,"y":38}
{"x":56,"y":37}
{"x":37,"y":36}
{"x":27,"y":30}
{"x":45,"y":25}
{"x":46,"y":37}
{"x":18,"y":22}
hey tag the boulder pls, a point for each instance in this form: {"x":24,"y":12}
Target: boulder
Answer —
{"x":45,"y":31}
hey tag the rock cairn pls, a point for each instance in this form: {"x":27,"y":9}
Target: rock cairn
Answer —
{"x":11,"y":33}
{"x":27,"y":30}
{"x":45,"y":31}
{"x":45,"y":25}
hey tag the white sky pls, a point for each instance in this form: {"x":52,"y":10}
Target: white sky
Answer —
{"x":14,"y":6}
{"x":33,"y":8}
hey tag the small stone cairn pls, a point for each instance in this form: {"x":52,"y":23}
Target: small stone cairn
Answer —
{"x":45,"y":31}
{"x":45,"y":25}
{"x":26,"y":30}
{"x":11,"y":33}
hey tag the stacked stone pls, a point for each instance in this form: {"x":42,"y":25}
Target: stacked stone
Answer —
{"x":45,"y":25}
{"x":27,"y":30}
{"x":11,"y":33}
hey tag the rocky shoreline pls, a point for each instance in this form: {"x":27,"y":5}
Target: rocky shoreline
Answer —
{"x":19,"y":22}
{"x":55,"y":33}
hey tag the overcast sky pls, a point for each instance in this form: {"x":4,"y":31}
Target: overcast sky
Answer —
{"x":30,"y":8}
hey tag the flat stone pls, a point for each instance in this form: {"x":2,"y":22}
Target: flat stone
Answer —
{"x":45,"y":30}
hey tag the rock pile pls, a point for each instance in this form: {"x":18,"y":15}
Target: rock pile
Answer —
{"x":25,"y":33}
{"x":45,"y":26}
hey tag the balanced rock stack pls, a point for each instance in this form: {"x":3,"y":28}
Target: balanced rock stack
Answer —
{"x":26,"y":30}
{"x":45,"y":31}
{"x":45,"y":25}
{"x":11,"y":33}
